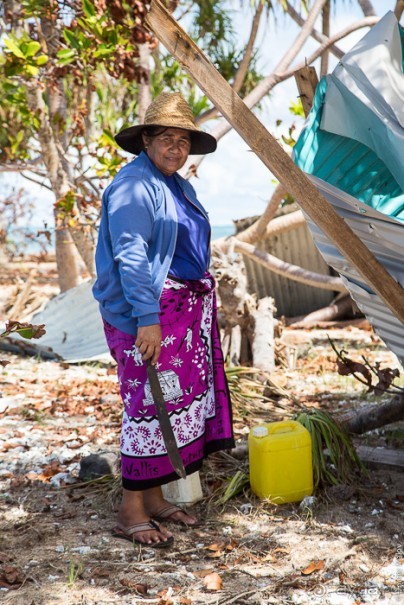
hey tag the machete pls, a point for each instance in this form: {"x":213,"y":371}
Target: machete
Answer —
{"x":164,"y":420}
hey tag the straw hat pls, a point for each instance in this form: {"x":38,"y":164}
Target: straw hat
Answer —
{"x":169,"y":109}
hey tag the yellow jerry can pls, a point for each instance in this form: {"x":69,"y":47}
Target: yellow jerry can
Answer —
{"x":280,"y":455}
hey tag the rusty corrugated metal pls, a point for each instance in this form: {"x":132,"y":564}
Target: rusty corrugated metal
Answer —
{"x":296,"y":247}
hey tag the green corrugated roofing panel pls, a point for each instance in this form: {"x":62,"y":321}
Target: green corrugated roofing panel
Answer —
{"x":368,"y":161}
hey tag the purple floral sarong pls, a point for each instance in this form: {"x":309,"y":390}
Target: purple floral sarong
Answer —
{"x":191,"y":373}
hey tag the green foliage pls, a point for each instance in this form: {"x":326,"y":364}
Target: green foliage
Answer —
{"x":227,"y":59}
{"x":17,"y":121}
{"x":334,"y":457}
{"x":74,"y":573}
{"x":170,"y":76}
{"x":26,"y":330}
{"x":296,"y":108}
{"x":235,"y":485}
{"x":212,"y":24}
{"x":22,"y":56}
{"x":87,"y":51}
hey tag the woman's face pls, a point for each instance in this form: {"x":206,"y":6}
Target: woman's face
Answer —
{"x":168,"y":151}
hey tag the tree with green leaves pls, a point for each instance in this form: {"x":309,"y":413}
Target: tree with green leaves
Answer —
{"x":73,"y":73}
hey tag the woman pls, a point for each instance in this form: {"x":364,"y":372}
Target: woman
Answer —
{"x":157,"y":302}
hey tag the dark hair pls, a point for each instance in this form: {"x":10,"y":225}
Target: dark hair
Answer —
{"x":154,"y":131}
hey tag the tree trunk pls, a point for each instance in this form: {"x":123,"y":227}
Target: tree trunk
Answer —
{"x":3,"y":242}
{"x":375,"y":416}
{"x":235,"y":346}
{"x":82,"y":237}
{"x":66,"y":258}
{"x":144,"y":85}
{"x":262,"y":340}
{"x":338,"y":309}
{"x":367,"y":8}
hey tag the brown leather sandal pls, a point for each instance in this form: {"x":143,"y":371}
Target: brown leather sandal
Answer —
{"x":166,"y":513}
{"x":129,"y":533}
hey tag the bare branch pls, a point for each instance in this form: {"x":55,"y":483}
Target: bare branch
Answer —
{"x":399,"y":9}
{"x":243,"y":67}
{"x":366,"y":22}
{"x":282,"y":224}
{"x":326,"y":32}
{"x":40,"y":183}
{"x":288,"y":270}
{"x":266,"y":85}
{"x":292,"y":12}
{"x":269,"y":82}
{"x":145,"y":96}
{"x":367,"y":8}
{"x":276,"y":226}
{"x":49,"y":149}
{"x":29,"y":165}
{"x":257,"y":230}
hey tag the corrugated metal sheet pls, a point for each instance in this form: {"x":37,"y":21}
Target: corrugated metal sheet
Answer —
{"x":297,"y":247}
{"x":73,"y":325}
{"x":352,"y":146}
{"x":384,"y":236}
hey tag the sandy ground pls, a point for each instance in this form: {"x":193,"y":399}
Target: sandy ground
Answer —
{"x":56,"y":547}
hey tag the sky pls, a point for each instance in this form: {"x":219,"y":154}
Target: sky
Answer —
{"x":233,"y":183}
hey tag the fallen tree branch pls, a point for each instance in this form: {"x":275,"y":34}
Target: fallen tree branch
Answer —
{"x":373,"y":417}
{"x":399,"y":9}
{"x":22,"y":297}
{"x":329,"y":313}
{"x":288,"y":270}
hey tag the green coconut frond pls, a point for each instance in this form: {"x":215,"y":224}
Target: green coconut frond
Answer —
{"x":335,"y":460}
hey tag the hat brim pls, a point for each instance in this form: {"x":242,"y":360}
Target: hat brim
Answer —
{"x":130,"y":139}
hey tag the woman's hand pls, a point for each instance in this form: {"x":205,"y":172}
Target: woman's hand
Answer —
{"x":148,"y":342}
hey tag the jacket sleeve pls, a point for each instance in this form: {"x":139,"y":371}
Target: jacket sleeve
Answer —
{"x":131,"y":212}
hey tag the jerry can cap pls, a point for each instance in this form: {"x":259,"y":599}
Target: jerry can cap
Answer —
{"x":260,"y":431}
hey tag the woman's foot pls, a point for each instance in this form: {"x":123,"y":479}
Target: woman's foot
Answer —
{"x":158,"y":508}
{"x":132,"y":514}
{"x":175,"y":514}
{"x":136,"y":534}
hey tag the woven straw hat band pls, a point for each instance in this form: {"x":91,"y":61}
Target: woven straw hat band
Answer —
{"x":170,"y":109}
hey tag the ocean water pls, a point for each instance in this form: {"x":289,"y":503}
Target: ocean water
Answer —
{"x":30,"y":240}
{"x":221,"y":231}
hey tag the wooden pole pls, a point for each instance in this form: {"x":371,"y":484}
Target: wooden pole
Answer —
{"x":179,"y":44}
{"x":306,"y":80}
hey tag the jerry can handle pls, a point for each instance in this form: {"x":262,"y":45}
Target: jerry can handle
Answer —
{"x":284,"y":427}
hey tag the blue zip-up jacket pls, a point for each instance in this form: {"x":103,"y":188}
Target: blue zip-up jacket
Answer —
{"x":136,"y":243}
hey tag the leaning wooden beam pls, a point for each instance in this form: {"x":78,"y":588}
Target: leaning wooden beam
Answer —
{"x":179,"y":44}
